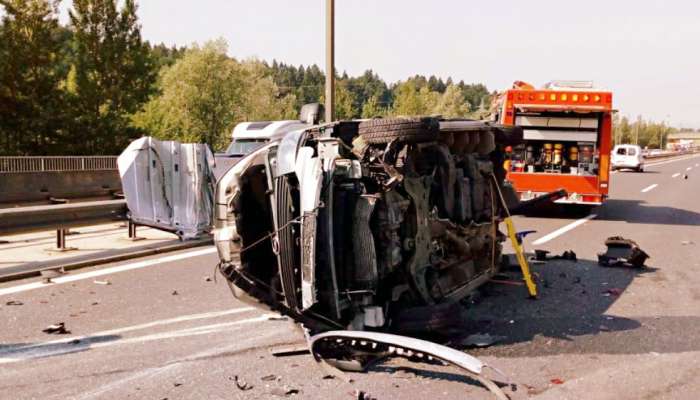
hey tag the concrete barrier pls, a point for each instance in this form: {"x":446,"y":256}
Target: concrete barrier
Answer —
{"x":25,"y":187}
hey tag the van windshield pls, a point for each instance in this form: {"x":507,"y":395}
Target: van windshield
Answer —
{"x":241,"y":147}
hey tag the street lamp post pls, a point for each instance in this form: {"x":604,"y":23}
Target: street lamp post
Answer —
{"x":330,"y":60}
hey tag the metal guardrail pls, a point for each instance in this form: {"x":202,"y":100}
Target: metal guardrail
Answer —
{"x":57,"y":164}
{"x":60,"y":217}
{"x":666,"y":154}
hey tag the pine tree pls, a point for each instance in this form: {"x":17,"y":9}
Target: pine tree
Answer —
{"x":451,"y":104}
{"x":30,"y":75}
{"x":112,"y":74}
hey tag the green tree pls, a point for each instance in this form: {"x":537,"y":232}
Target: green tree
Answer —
{"x":452,"y":104}
{"x":414,"y":97}
{"x":111,"y":76}
{"x":344,"y":101}
{"x":373,"y":108}
{"x":262,"y":99}
{"x":30,"y":97}
{"x":622,"y":131}
{"x":407,"y":100}
{"x":476,"y":94}
{"x":201,"y":100}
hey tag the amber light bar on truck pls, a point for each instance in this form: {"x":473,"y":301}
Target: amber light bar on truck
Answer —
{"x":559,"y":99}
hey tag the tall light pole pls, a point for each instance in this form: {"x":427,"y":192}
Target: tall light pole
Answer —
{"x":330,"y":60}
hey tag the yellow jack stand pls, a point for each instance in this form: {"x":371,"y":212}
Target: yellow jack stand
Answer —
{"x":519,"y":253}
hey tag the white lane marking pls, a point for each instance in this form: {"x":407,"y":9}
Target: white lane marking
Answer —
{"x":105,"y":271}
{"x":689,"y":168}
{"x":563,"y":230}
{"x":677,"y":174}
{"x":43,"y":350}
{"x":183,"y":318}
{"x":650,"y":187}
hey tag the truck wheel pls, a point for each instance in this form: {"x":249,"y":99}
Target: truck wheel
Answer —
{"x":407,"y":130}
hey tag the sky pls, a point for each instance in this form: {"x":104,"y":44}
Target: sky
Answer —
{"x":647,"y":52}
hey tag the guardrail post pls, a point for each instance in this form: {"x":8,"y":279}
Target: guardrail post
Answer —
{"x":61,"y":247}
{"x":132,"y":232}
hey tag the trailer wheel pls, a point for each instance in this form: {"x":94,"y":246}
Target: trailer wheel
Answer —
{"x":406,"y":130}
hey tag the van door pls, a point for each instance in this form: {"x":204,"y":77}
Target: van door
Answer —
{"x":169,"y":185}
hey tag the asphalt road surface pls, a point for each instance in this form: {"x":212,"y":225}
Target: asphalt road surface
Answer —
{"x":164,"y":328}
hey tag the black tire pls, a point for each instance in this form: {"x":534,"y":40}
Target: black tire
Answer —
{"x":406,"y":130}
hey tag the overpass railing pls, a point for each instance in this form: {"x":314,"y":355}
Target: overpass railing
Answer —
{"x":57,"y":164}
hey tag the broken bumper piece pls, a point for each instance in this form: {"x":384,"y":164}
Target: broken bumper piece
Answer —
{"x":622,"y":252}
{"x":348,"y":350}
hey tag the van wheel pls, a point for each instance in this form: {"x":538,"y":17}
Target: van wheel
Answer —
{"x":640,"y":168}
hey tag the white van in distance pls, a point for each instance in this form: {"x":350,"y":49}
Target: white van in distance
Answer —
{"x":627,"y":156}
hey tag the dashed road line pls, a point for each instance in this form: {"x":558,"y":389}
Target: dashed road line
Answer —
{"x":676,"y":175}
{"x":650,"y":187}
{"x":563,"y":230}
{"x":105,"y":271}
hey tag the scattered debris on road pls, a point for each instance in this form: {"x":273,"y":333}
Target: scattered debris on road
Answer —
{"x":687,"y":242}
{"x":56,"y":329}
{"x":362,"y":395}
{"x":49,"y":274}
{"x":207,"y":279}
{"x":14,"y":303}
{"x":622,"y":252}
{"x":557,"y":381}
{"x":270,"y":377}
{"x":481,"y":340}
{"x":241,"y":384}
{"x":289,"y":351}
{"x":105,"y":282}
{"x":543,"y":255}
{"x":174,"y":293}
{"x":284,"y":391}
{"x":612,"y":292}
{"x":568,"y":255}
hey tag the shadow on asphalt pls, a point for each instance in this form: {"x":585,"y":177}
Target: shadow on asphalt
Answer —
{"x":638,"y":212}
{"x":559,"y":211}
{"x":571,"y":315}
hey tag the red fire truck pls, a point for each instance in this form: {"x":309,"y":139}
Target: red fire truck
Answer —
{"x":567,"y":127}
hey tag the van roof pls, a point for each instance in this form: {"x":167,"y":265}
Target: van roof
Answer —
{"x":269,"y":130}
